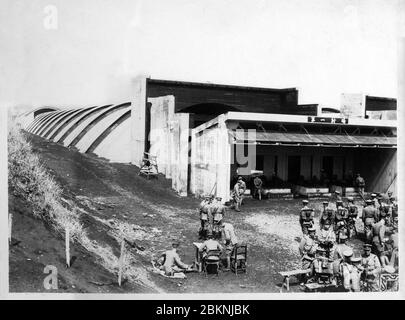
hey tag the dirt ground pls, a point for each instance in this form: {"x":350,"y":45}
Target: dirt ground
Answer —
{"x":113,"y":200}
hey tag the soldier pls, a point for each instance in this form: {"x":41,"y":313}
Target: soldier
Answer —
{"x":218,"y":212}
{"x":360,"y":184}
{"x":327,"y":239}
{"x":350,"y":270}
{"x":323,"y":266}
{"x":307,"y":216}
{"x":375,"y":201}
{"x":328,"y":215}
{"x":338,"y":256}
{"x":209,"y":245}
{"x":307,"y":250}
{"x":341,"y":219}
{"x":352,"y":216}
{"x":378,"y":230}
{"x":230,"y":241}
{"x":372,"y":268}
{"x":204,"y":210}
{"x":335,"y":197}
{"x":369,"y":217}
{"x":238,"y":192}
{"x":172,"y":262}
{"x":258,"y":184}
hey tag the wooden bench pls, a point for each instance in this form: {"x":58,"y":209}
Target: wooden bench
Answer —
{"x":287,"y":274}
{"x":314,"y":287}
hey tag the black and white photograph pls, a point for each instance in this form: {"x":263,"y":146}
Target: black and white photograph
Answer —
{"x":187,"y":147}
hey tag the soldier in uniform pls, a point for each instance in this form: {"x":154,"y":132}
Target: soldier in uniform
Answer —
{"x":258,"y":184}
{"x":218,"y":212}
{"x":204,"y":210}
{"x":338,"y":256}
{"x":378,"y":230}
{"x":307,"y":250}
{"x":341,"y":219}
{"x":352,"y":216}
{"x":372,"y":268}
{"x":375,"y":201}
{"x":238,"y":191}
{"x":369,"y":217}
{"x":307,"y":216}
{"x":209,"y":245}
{"x":328,"y":215}
{"x":335,"y":197}
{"x":229,"y":240}
{"x":323,"y":266}
{"x":327,"y":239}
{"x":350,"y":270}
{"x":172,"y":262}
{"x":360,"y":184}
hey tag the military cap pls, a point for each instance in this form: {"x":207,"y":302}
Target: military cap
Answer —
{"x":337,"y":191}
{"x":373,"y":195}
{"x":320,"y":249}
{"x":207,"y":196}
{"x":219,"y":198}
{"x":312,"y":229}
{"x":325,"y":203}
{"x":239,"y":178}
{"x":355,"y":259}
{"x":369,"y":201}
{"x":392,"y":198}
{"x":339,"y":201}
{"x":367,"y":246}
{"x":175,"y":243}
{"x":343,"y":237}
{"x":305,"y":201}
{"x":350,"y":199}
{"x":348,"y":253}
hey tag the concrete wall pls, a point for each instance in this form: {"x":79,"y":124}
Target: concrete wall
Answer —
{"x":210,"y":161}
{"x":168,"y":138}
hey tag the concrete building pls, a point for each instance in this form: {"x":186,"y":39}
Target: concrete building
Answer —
{"x":203,"y":135}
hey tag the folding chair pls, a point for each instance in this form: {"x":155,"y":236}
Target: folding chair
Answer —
{"x":212,"y":259}
{"x":238,"y":258}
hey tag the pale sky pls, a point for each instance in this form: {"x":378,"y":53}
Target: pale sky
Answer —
{"x":322,"y":47}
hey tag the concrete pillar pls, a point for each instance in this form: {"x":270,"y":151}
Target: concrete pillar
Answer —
{"x":224,"y":161}
{"x":138,"y":115}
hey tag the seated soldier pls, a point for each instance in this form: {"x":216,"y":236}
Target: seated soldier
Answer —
{"x":307,"y":249}
{"x":172,"y":262}
{"x":327,"y":239}
{"x":322,"y":267}
{"x":209,"y":245}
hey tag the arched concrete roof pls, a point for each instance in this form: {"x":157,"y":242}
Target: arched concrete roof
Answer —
{"x":88,"y":129}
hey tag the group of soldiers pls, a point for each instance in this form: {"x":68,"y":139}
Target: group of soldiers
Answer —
{"x":329,"y":257}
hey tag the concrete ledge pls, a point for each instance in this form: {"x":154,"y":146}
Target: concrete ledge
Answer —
{"x":277,"y":191}
{"x":306,"y":191}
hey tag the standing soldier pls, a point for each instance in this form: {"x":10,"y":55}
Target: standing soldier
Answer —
{"x":307,"y":216}
{"x":258,"y":183}
{"x":218,"y":212}
{"x":338,"y":256}
{"x":375,"y":201}
{"x":335,"y":197}
{"x":369,"y":217}
{"x":378,"y":230}
{"x":238,"y":192}
{"x":360,"y":184}
{"x":340,"y":219}
{"x":204,"y":211}
{"x":372,"y":268}
{"x":352,"y":216}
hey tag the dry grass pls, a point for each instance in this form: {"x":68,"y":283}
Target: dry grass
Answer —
{"x":28,"y":179}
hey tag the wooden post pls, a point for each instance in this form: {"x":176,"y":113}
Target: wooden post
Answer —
{"x":10,"y":226}
{"x":121,"y":262}
{"x":67,"y":246}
